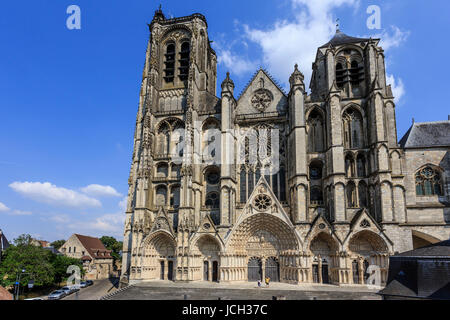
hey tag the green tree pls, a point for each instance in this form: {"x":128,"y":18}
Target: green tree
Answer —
{"x":61,"y":263}
{"x":23,"y":240}
{"x":115,"y":246}
{"x":57,"y":244}
{"x":36,"y":262}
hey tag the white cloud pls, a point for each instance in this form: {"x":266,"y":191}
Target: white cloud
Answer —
{"x":108,"y":224}
{"x":123,"y":204}
{"x":21,"y":213}
{"x":3,"y":208}
{"x":234,"y":63}
{"x":392,"y":40}
{"x":398,"y":88}
{"x":97,"y":190}
{"x":290,"y":42}
{"x":53,"y":195}
{"x":60,"y":218}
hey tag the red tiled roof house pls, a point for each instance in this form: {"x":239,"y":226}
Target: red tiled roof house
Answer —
{"x":97,"y":260}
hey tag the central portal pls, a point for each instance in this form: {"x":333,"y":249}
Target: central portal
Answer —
{"x":262,"y":241}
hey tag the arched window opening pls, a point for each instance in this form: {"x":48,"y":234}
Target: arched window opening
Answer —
{"x":212,"y":200}
{"x":176,"y":171}
{"x":251,"y":181}
{"x":428,"y":182}
{"x":169,"y":62}
{"x":356,"y":73}
{"x":340,"y":75}
{"x":351,"y":195}
{"x":349,"y":166}
{"x":162,"y":170}
{"x":330,"y":204}
{"x":243,"y":185}
{"x":161,"y":196}
{"x":163,"y":139}
{"x":353,"y":129}
{"x":315,"y":132}
{"x":316,"y":196}
{"x":282,"y":184}
{"x":175,"y":197}
{"x":184,"y":60}
{"x":362,"y":192}
{"x":177,"y":138}
{"x":361,"y":166}
{"x":315,"y":170}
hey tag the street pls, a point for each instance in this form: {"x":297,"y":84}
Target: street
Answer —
{"x":96,"y":291}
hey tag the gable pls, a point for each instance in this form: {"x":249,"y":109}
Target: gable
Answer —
{"x":262,"y":95}
{"x":258,"y":205}
{"x":162,"y":223}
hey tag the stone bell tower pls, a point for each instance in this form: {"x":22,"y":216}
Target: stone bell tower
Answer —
{"x":179,"y":77}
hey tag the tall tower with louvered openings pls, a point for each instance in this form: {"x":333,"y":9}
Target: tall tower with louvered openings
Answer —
{"x":301,"y":186}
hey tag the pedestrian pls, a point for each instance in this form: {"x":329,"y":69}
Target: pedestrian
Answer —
{"x":259,"y":283}
{"x":267,"y":281}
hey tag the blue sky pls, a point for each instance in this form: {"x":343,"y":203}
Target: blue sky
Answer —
{"x":68,"y":98}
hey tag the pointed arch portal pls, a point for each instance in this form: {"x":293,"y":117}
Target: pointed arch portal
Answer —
{"x":264,"y":240}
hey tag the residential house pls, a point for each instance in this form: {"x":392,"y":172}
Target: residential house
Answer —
{"x":97,"y":260}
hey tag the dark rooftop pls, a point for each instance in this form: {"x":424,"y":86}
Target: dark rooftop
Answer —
{"x":341,"y":38}
{"x":427,"y":134}
{"x":441,"y":249}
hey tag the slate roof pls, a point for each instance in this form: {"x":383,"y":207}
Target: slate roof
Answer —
{"x":399,"y":289}
{"x":420,"y":274}
{"x":427,"y":134}
{"x":95,"y":247}
{"x":441,"y":249}
{"x":341,"y":38}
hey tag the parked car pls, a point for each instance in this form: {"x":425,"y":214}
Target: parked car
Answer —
{"x":56,"y":295}
{"x":67,"y":290}
{"x":31,"y":299}
{"x":75,"y":288}
{"x":89,"y":282}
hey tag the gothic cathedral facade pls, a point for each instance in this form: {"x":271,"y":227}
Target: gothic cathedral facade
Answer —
{"x":303,"y":188}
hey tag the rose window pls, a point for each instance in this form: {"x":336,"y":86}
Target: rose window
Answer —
{"x":261,"y":100}
{"x":262,"y":202}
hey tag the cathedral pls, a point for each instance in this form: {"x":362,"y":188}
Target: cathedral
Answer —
{"x":300,"y":186}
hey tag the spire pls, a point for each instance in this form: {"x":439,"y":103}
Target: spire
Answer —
{"x":337,"y":25}
{"x":297,"y":78}
{"x":228,"y":84}
{"x":159,"y":15}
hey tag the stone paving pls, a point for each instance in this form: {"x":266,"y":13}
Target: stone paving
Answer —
{"x":159,"y":290}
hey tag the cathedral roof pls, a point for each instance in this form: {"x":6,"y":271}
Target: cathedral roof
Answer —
{"x":420,"y":273}
{"x":441,"y":249}
{"x":427,"y":134}
{"x":341,"y":38}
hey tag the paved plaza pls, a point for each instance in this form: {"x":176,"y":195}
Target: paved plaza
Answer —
{"x":160,"y":290}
